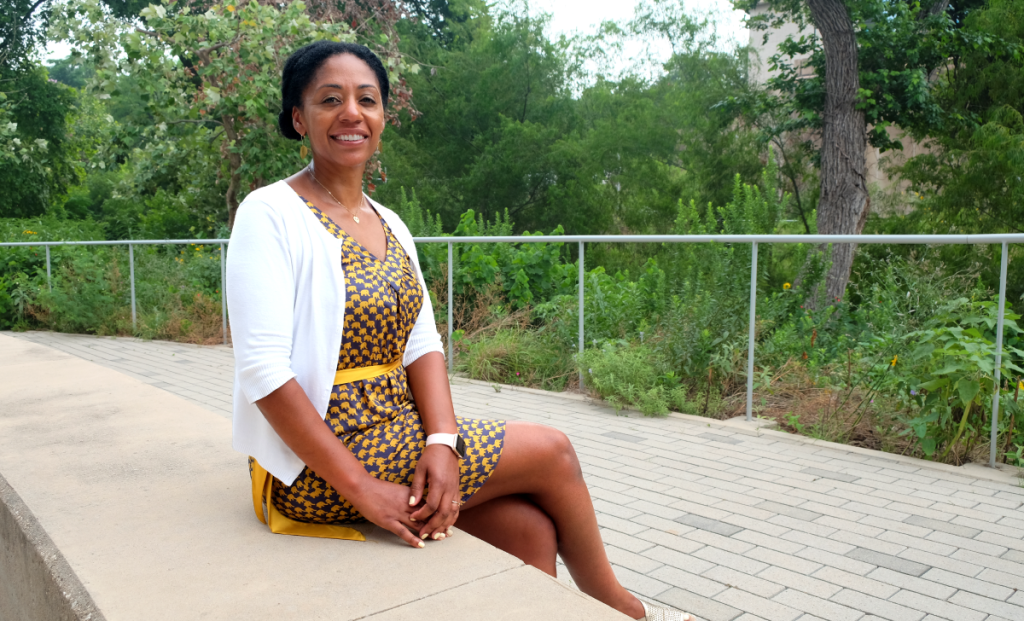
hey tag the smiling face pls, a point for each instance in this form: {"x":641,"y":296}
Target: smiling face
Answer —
{"x":342,"y":112}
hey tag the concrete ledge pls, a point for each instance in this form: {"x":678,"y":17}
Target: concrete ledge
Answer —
{"x":141,"y":495}
{"x":36,"y":582}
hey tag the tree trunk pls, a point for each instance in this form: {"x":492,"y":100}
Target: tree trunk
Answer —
{"x":234,"y":164}
{"x":843,"y":206}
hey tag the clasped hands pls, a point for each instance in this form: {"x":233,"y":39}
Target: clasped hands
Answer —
{"x":407,"y":511}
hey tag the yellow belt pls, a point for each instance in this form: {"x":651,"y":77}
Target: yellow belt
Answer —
{"x":262,"y":481}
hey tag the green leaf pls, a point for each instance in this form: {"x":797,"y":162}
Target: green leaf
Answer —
{"x":935,"y":384}
{"x":968,"y":390}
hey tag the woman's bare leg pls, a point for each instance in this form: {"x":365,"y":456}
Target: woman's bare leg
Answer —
{"x":517,"y":526}
{"x":540,"y":463}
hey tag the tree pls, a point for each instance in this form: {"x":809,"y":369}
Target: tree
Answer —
{"x":22,"y":24}
{"x":873,"y":60}
{"x":212,"y":77}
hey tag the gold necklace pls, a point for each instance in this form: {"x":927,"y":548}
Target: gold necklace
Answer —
{"x":311,"y":174}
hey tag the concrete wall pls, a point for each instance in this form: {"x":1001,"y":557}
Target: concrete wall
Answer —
{"x":36,"y":582}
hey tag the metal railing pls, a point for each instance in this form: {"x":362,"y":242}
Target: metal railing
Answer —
{"x":754,"y":240}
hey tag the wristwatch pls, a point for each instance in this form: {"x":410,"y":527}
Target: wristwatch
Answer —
{"x":452,"y":440}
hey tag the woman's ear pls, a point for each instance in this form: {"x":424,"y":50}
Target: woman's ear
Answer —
{"x":297,"y":122}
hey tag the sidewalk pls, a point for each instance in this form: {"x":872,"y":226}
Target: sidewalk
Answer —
{"x":723,"y":522}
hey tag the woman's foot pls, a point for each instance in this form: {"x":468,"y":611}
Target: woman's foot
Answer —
{"x":660,"y":613}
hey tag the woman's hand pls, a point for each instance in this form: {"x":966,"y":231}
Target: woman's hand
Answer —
{"x":439,"y":468}
{"x":387,"y":505}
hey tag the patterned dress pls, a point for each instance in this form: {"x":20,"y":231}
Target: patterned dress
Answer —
{"x":377,"y":418}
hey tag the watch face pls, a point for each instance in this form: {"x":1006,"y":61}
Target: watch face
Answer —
{"x":460,"y":446}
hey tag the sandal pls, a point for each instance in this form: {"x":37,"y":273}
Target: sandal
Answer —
{"x":660,"y":613}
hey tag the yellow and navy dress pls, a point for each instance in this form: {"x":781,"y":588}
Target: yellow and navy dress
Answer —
{"x":377,"y":418}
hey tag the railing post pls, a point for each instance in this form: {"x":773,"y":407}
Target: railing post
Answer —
{"x":223,"y":296}
{"x":582,"y":278}
{"x":750,"y":335}
{"x":49,"y":281}
{"x":451,"y":302}
{"x":999,"y":360}
{"x":131,"y":275}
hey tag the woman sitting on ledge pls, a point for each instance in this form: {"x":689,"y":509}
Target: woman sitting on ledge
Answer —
{"x":332,"y":324}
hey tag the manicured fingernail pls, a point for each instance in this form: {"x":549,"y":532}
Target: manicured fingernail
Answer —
{"x":449,"y":532}
{"x":437,"y":536}
{"x":423,"y":536}
{"x":412,"y":500}
{"x":421,"y":544}
{"x":412,"y":518}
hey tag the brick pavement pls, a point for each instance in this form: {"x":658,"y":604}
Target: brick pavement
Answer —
{"x":728,"y":523}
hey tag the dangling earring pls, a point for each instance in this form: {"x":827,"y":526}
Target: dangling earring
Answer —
{"x":303,"y":150}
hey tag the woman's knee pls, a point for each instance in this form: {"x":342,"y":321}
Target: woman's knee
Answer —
{"x":560,"y":453}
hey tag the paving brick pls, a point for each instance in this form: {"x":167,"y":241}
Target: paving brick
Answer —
{"x":810,"y":528}
{"x":725,"y":543}
{"x":817,"y":606}
{"x":838,"y":561}
{"x":944,"y":609}
{"x":924,"y":586}
{"x":986,"y":605}
{"x":967,"y":544}
{"x":661,"y":524}
{"x":856,"y":582}
{"x":686,"y":580}
{"x":1013,"y":581}
{"x":800,"y":581}
{"x":767,"y":608}
{"x":876,"y":607}
{"x":720,"y":528}
{"x":631,"y":560}
{"x":979,"y":586}
{"x":772,"y":543}
{"x":842,"y":525}
{"x":740,"y":580}
{"x":870,"y":543}
{"x":787,"y":561}
{"x":624,"y":541}
{"x":789,"y":511}
{"x":645,"y":586}
{"x":899,"y":527}
{"x":886,"y":560}
{"x":906,"y":541}
{"x":1015,"y":543}
{"x":702,"y":607}
{"x":943,"y":526}
{"x":677,"y":559}
{"x":949,"y":563}
{"x":733,"y":561}
{"x":619,"y":524}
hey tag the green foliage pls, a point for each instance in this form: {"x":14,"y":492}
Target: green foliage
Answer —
{"x":518,"y":357}
{"x":626,"y":375}
{"x":36,"y":154}
{"x":948,"y":373}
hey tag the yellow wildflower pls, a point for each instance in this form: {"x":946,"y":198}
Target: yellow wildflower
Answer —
{"x":230,"y":8}
{"x":894,"y":358}
{"x":29,"y":233}
{"x":786,"y":285}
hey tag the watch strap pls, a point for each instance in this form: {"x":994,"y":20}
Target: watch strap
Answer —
{"x":451,"y":440}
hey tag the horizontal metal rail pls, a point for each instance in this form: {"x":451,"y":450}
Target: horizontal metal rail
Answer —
{"x":996,"y":238}
{"x":754,"y":240}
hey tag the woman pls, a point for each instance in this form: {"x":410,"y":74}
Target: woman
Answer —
{"x":315,"y":268}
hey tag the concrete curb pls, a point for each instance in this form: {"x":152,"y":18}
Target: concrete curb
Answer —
{"x":766,"y":428}
{"x":36,"y":581}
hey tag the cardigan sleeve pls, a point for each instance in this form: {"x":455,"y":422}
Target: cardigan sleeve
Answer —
{"x":261,"y":295}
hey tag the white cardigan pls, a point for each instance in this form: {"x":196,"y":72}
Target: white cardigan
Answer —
{"x":286,"y":293}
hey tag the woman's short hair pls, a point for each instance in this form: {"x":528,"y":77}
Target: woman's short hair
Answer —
{"x":303,"y":64}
